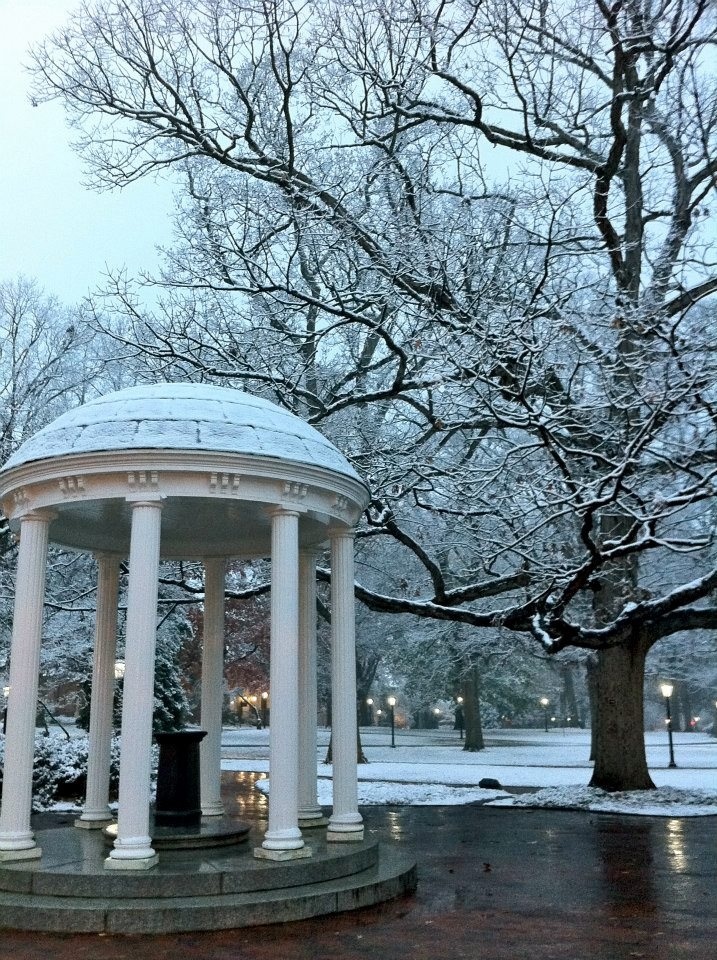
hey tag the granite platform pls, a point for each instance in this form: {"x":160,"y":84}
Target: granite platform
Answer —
{"x":69,"y":889}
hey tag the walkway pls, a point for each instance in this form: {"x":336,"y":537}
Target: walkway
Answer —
{"x":494,"y":883}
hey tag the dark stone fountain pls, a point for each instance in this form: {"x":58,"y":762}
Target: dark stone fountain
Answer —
{"x":176,"y":822}
{"x":178,"y":800}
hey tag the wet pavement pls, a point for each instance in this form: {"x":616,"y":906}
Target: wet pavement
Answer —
{"x":499,"y":884}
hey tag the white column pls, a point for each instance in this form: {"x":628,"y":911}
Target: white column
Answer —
{"x":133,"y":846}
{"x":17,"y":841}
{"x":96,"y":812}
{"x":210,"y":749}
{"x":310,"y":814}
{"x":345,"y":823}
{"x":283,"y":840}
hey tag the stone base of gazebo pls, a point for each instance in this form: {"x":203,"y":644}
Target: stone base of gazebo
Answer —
{"x":71,"y":891}
{"x":208,"y":832}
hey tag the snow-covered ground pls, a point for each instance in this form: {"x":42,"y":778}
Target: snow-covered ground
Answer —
{"x":429,"y":767}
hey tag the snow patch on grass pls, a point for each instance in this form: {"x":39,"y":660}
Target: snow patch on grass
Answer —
{"x":663,"y":802}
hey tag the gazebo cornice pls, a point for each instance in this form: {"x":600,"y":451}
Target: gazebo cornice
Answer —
{"x":106,"y":475}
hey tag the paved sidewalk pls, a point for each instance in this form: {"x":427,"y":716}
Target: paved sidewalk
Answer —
{"x":499,"y":884}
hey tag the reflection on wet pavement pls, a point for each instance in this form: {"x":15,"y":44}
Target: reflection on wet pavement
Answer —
{"x":241,"y":798}
{"x":676,"y":845}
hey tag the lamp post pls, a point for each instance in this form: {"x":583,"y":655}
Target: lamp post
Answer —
{"x":265,"y":709}
{"x":369,"y":704}
{"x":459,"y":716}
{"x":6,"y":694}
{"x":544,"y":702}
{"x":666,"y":690}
{"x":391,"y":701}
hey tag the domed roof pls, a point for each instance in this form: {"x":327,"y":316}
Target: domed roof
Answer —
{"x":183,"y":416}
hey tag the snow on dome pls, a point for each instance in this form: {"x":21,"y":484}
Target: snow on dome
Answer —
{"x":183,"y":416}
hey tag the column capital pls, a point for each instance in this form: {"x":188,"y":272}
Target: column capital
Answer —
{"x":107,"y":555}
{"x":341,"y":533}
{"x":278,"y":511}
{"x":38,"y":514}
{"x":145,"y":500}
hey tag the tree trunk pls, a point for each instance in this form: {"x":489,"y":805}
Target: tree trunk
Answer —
{"x":366,"y":667}
{"x":568,"y":699}
{"x":365,"y":715}
{"x":682,"y":699}
{"x":591,"y":670}
{"x":360,"y":755}
{"x":471,"y":712}
{"x":620,"y":761}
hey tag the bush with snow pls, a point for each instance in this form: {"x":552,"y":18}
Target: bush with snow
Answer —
{"x":60,"y":769}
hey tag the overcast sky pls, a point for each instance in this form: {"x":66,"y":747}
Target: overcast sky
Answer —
{"x":52,"y":228}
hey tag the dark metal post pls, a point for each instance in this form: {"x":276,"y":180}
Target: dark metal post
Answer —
{"x":265,"y":709}
{"x":545,"y":704}
{"x":669,"y":733}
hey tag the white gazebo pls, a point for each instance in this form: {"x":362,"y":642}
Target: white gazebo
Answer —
{"x":194,"y":472}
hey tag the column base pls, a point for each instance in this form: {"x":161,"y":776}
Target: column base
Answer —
{"x":344,"y":836}
{"x":299,"y":853}
{"x":311,"y":823}
{"x":27,"y":853}
{"x":213,"y":810}
{"x":137,"y":863}
{"x":94,"y":824}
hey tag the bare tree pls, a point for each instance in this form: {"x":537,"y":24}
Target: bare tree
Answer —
{"x":47,"y":363}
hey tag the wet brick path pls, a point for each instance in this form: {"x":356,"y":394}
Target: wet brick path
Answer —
{"x":494,"y":883}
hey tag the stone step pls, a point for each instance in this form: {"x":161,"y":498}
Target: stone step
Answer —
{"x":392,"y":875}
{"x":72,"y":866}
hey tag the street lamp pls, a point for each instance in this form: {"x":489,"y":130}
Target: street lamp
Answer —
{"x":369,"y":704}
{"x":265,"y":709}
{"x":544,"y":702}
{"x":391,"y":701}
{"x":666,"y":690}
{"x":459,"y":716}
